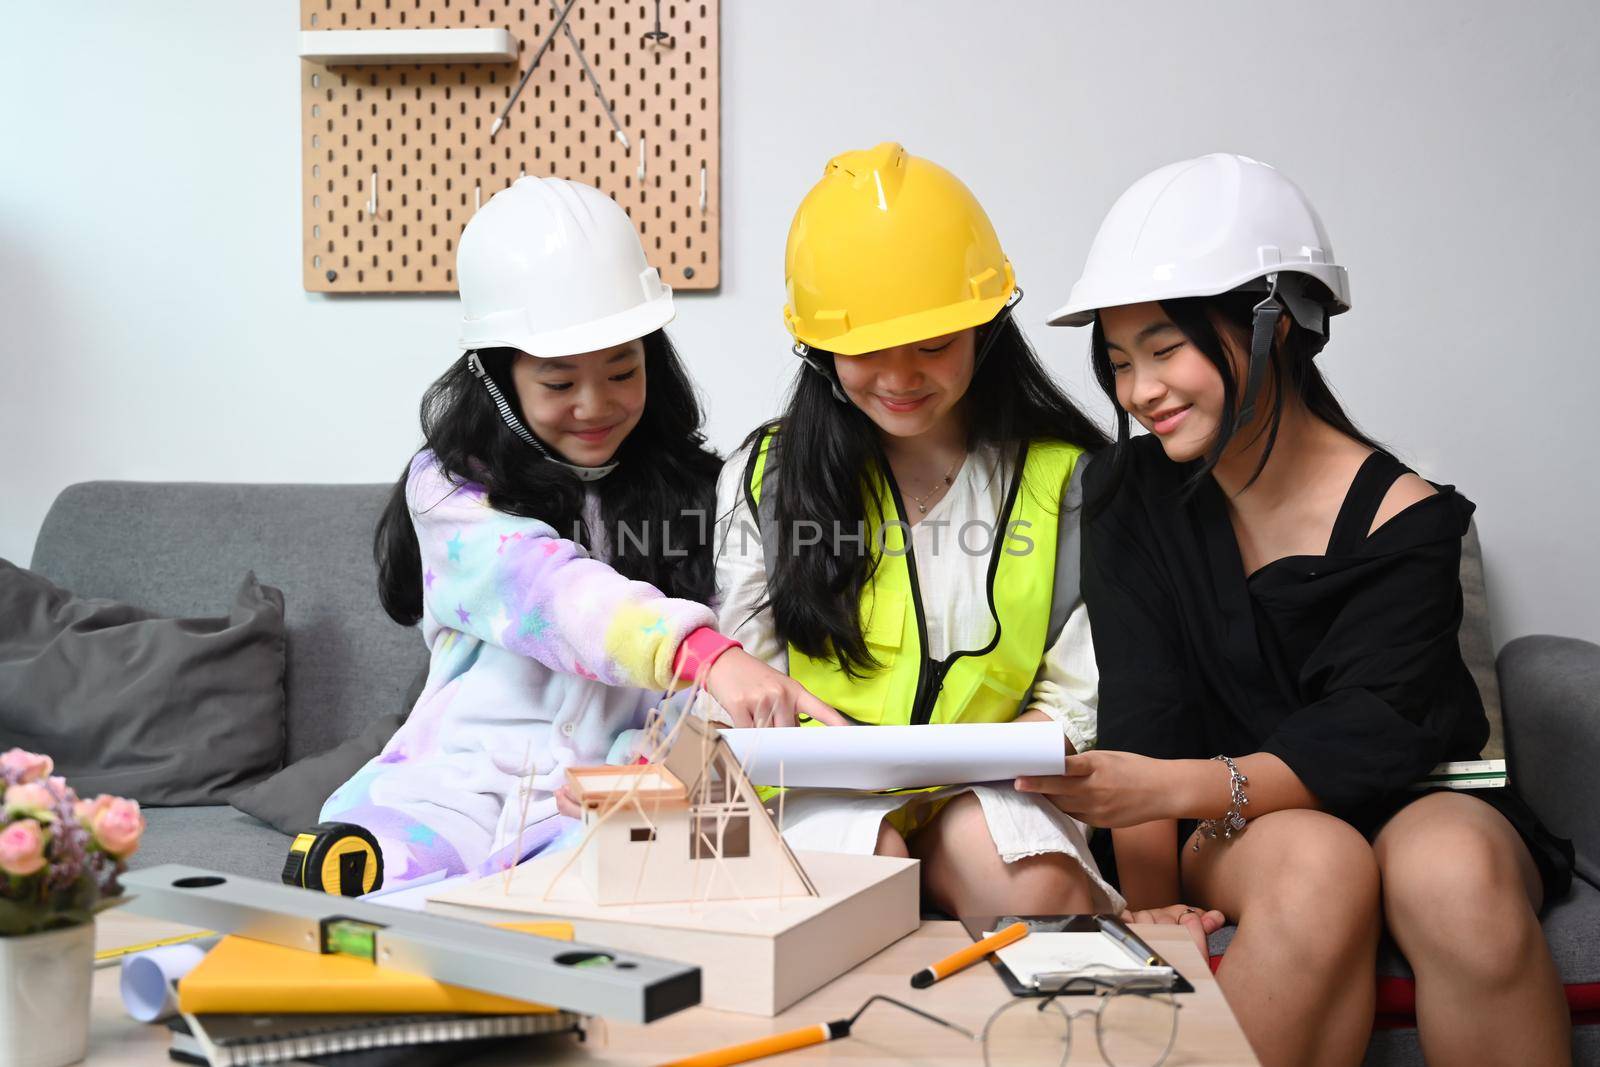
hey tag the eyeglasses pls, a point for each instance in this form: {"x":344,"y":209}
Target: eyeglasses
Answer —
{"x":1135,"y":1023}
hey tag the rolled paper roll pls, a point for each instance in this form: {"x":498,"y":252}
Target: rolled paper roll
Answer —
{"x":150,"y":979}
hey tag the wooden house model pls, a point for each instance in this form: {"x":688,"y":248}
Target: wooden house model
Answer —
{"x":687,"y":827}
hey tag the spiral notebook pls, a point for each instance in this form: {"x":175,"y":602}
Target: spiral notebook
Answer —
{"x":186,"y":1049}
{"x":244,"y":1040}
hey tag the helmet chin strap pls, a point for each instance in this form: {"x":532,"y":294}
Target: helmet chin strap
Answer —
{"x":809,"y":355}
{"x":509,"y":415}
{"x":1263,"y":326}
{"x":994,"y":332}
{"x":1285,"y":294}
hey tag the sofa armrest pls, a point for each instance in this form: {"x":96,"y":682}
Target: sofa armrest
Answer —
{"x":1550,"y":692}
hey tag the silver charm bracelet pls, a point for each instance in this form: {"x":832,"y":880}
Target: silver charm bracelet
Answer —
{"x":1233,"y":820}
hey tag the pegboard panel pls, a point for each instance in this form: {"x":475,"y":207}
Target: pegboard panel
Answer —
{"x":418,"y":135}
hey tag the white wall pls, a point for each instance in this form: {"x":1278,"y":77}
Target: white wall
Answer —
{"x":154,"y":327}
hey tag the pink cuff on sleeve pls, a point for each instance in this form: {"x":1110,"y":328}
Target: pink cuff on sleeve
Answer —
{"x":699,"y":651}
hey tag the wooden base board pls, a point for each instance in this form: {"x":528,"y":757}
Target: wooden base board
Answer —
{"x":755,"y":956}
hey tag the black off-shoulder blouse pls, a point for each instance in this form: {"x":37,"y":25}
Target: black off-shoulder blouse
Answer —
{"x":1347,"y":666}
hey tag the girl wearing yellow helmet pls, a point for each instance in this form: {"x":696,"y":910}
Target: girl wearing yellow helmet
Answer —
{"x":903,"y":540}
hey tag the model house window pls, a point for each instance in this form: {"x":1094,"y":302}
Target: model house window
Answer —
{"x":703,"y":840}
{"x":642,"y":833}
{"x":715,"y":789}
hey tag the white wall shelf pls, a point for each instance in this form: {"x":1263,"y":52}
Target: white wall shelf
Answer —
{"x":352,"y":47}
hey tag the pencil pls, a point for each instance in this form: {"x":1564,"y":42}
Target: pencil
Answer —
{"x":968,"y":956}
{"x":765,"y":1046}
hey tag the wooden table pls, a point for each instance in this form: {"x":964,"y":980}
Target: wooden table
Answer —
{"x":1207,"y":1032}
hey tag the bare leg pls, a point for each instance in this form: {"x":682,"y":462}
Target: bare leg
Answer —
{"x":890,"y":843}
{"x":963,"y":874}
{"x":1460,"y":893}
{"x":1303,"y":888}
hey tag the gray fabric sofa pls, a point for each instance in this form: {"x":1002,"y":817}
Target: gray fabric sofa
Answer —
{"x":180,"y":548}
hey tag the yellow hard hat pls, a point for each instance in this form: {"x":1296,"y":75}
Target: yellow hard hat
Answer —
{"x":889,"y":248}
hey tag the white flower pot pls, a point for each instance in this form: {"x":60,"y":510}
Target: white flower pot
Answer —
{"x":45,"y":981}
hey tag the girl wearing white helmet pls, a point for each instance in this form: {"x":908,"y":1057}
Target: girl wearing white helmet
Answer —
{"x":552,"y":537}
{"x":904,"y":539}
{"x":1276,"y":605}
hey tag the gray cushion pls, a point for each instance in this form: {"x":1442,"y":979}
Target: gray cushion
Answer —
{"x":1394,"y":1048}
{"x":1569,"y":927}
{"x":171,"y":546}
{"x":292,"y":799}
{"x":167,"y":711}
{"x":216,"y":839}
{"x":1399,"y":1047}
{"x":1552,"y":694}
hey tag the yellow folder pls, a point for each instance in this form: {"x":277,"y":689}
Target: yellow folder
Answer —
{"x":240,"y":976}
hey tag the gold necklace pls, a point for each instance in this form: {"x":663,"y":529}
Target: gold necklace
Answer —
{"x":922,"y":501}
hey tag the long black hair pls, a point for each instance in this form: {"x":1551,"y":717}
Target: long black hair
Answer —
{"x":1292,"y":371}
{"x":663,"y":490}
{"x":824,"y":460}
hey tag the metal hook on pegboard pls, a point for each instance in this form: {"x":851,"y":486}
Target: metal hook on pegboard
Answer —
{"x":702,"y":188}
{"x":658,"y":36}
{"x":642,"y":154}
{"x":372,"y":196}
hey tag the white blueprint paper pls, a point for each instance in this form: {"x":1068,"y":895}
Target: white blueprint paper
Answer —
{"x":897,"y":757}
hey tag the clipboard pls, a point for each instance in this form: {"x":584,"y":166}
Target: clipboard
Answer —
{"x":978,"y":925}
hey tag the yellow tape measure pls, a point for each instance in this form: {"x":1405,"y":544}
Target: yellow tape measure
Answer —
{"x":112,"y":955}
{"x":335,"y":857}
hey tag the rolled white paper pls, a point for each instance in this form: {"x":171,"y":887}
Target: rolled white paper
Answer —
{"x":150,"y":979}
{"x":897,"y":757}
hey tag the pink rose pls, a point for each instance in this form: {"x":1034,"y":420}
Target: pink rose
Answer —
{"x":32,"y":798}
{"x":22,"y":848}
{"x":26,"y":766}
{"x":117,"y":826}
{"x":60,"y":789}
{"x":89,"y":810}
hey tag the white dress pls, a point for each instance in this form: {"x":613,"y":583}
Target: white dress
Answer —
{"x":955,"y":603}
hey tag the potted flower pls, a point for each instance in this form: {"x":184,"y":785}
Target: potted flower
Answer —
{"x":59,"y":862}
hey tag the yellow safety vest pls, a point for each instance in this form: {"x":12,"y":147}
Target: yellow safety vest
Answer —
{"x":988,"y":684}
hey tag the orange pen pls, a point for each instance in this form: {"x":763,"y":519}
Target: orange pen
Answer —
{"x":968,"y":956}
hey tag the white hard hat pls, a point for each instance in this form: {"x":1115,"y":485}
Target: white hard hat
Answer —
{"x":555,"y":268}
{"x":1202,"y":227}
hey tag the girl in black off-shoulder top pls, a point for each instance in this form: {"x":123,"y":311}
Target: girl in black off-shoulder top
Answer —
{"x":1334,"y":680}
{"x":1346,"y":665}
{"x":1276,"y":604}
{"x":1332,"y":675}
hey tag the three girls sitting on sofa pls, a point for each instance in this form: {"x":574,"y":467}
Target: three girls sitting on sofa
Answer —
{"x":1273,"y":598}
